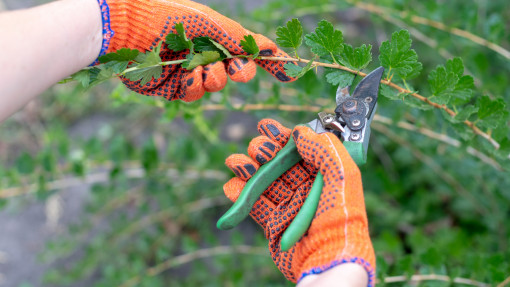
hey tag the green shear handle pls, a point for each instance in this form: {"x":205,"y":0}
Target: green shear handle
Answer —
{"x":287,"y":157}
{"x":357,"y":113}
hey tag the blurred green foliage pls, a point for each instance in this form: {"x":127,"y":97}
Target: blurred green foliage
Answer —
{"x":433,"y":207}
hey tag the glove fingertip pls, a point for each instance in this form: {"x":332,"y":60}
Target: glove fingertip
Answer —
{"x":262,"y":149}
{"x":242,"y":165}
{"x":214,"y":77}
{"x":241,"y":69}
{"x":274,"y":130}
{"x":233,"y":188}
{"x":192,"y":85}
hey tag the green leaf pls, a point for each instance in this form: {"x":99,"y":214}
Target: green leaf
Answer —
{"x":100,"y":74}
{"x":151,"y":57}
{"x":202,"y":59}
{"x":398,"y":58}
{"x":148,"y":68}
{"x":357,"y":58}
{"x":117,"y":67}
{"x":389,"y":93}
{"x":442,"y":83}
{"x":120,"y":55}
{"x":293,"y":70}
{"x":340,"y":78}
{"x":489,"y":107}
{"x":463,"y":131}
{"x":291,"y":35}
{"x":465,"y":113}
{"x":145,"y":75}
{"x":250,"y":46}
{"x":406,"y":98}
{"x":447,"y":83}
{"x":492,"y":113}
{"x":455,"y":66}
{"x":179,"y":42}
{"x":202,"y":44}
{"x":83,"y":77}
{"x":326,"y":41}
{"x":413,"y":102}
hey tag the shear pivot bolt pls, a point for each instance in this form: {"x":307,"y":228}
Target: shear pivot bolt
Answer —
{"x":349,"y":106}
{"x":368,"y":100}
{"x":356,"y":123}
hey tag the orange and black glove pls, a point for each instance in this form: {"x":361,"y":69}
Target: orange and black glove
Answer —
{"x":339,"y":230}
{"x":142,"y":24}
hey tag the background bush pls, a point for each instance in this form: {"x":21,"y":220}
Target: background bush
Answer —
{"x":437,"y":203}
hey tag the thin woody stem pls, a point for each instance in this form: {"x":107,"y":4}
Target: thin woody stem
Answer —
{"x":377,"y":118}
{"x":381,"y":11}
{"x":384,"y":12}
{"x":452,"y":113}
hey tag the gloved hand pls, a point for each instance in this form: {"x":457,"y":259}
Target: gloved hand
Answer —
{"x":339,"y":231}
{"x":141,"y":24}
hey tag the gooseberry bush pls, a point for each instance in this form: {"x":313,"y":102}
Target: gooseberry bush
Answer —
{"x":436,"y":182}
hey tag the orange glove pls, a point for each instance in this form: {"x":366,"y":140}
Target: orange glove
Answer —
{"x":141,"y":24}
{"x":339,"y":231}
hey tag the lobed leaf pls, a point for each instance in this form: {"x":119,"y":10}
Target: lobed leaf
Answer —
{"x":442,"y":84}
{"x":145,"y":75}
{"x":356,"y":58}
{"x":448,"y":83}
{"x":202,"y":59}
{"x":120,"y":55}
{"x":293,"y":70}
{"x":491,"y":113}
{"x":250,"y":46}
{"x":326,"y":41}
{"x":202,"y":44}
{"x":179,"y":42}
{"x":83,"y":77}
{"x":397,"y":57}
{"x":148,"y":68}
{"x":117,"y":67}
{"x":291,"y":35}
{"x":340,"y":78}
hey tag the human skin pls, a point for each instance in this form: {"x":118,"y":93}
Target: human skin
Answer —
{"x":45,"y":44}
{"x":42,"y":45}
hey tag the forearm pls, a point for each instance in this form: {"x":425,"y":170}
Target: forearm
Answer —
{"x":344,"y":275}
{"x":42,"y":45}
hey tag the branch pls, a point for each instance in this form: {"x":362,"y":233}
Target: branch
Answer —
{"x":504,"y":283}
{"x":434,"y":277}
{"x":167,"y":63}
{"x":452,"y":113}
{"x":440,"y":137}
{"x":377,"y":118}
{"x":92,"y":178}
{"x":436,"y":168}
{"x":148,"y":220}
{"x":198,"y":254}
{"x":382,"y":11}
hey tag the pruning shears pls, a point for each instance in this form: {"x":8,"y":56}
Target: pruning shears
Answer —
{"x":350,"y":123}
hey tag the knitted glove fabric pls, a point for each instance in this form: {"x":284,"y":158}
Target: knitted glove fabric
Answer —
{"x":142,"y":24}
{"x":339,"y":230}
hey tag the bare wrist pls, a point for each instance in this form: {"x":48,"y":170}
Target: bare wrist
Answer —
{"x":348,"y":275}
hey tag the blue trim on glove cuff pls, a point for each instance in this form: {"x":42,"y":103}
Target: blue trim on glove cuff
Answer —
{"x":107,"y":30}
{"x":360,"y":261}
